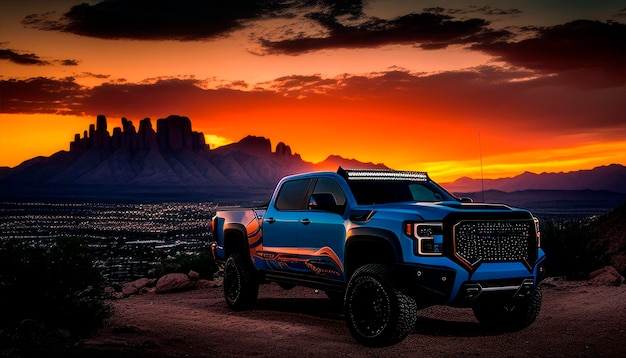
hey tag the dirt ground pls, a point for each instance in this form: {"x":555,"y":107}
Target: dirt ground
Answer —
{"x":576,"y":320}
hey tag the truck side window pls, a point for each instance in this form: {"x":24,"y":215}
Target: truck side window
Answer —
{"x":422,"y":193}
{"x":329,"y":186}
{"x":292,"y":195}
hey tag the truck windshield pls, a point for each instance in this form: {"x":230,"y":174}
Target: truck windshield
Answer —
{"x":368,"y":192}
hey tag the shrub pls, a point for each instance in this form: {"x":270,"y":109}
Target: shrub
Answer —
{"x":572,"y":248}
{"x":57,"y":285}
{"x":202,"y":262}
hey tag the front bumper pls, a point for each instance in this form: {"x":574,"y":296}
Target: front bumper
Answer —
{"x":498,"y":291}
{"x":455,"y":286}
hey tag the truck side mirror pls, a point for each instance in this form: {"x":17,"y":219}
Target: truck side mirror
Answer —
{"x":325,"y":202}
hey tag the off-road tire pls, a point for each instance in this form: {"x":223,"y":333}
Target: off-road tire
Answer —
{"x":241,"y":288}
{"x":376,"y":312}
{"x":509,"y":317}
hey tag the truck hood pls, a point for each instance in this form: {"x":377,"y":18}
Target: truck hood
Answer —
{"x":433,"y":210}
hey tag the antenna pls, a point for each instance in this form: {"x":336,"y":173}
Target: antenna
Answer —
{"x":482,"y":178}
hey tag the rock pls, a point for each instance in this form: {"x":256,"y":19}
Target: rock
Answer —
{"x":174,"y":133}
{"x":116,"y":139}
{"x":173,"y":282}
{"x":112,"y":293}
{"x":146,"y":137}
{"x":204,"y":283}
{"x":283,"y":150}
{"x":199,"y":142}
{"x":193,"y":275}
{"x":129,"y":135}
{"x":216,"y":282}
{"x":101,"y":123}
{"x":606,"y":276}
{"x":255,"y":145}
{"x":134,"y":287}
{"x":101,"y":135}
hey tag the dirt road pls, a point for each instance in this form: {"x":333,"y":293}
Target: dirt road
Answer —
{"x":576,"y":320}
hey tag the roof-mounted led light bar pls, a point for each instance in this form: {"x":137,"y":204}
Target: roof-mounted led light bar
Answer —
{"x":382,"y":174}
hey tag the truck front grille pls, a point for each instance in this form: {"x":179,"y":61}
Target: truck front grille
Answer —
{"x":477,"y":241}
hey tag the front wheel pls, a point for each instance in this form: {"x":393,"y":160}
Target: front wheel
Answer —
{"x":513,"y":316}
{"x":377,"y":313}
{"x":241,"y":288}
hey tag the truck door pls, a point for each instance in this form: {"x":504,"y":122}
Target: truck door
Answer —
{"x":322,"y":231}
{"x":280,"y":228}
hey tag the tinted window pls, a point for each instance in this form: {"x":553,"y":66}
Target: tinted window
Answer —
{"x":292,"y":195}
{"x":380,"y":192}
{"x":325,"y":185}
{"x":420,"y":192}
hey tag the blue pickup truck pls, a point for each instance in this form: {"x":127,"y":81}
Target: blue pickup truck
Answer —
{"x":384,"y":244}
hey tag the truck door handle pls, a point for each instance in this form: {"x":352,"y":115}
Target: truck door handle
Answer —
{"x":270,"y":220}
{"x":305,"y":221}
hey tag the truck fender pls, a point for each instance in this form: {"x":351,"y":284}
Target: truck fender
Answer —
{"x":235,"y":239}
{"x":388,"y":248}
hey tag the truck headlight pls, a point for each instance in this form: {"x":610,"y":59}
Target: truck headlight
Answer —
{"x":537,"y":231}
{"x":428,"y":238}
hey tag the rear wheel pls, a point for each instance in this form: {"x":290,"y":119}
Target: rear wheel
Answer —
{"x":377,"y":314}
{"x":241,"y":288}
{"x":512,"y":316}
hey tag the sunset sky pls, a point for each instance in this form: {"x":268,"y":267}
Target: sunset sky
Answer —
{"x":525,"y":85}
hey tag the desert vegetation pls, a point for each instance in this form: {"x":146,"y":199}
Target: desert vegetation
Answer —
{"x":49,"y":295}
{"x":577,"y":246}
{"x":52,"y":293}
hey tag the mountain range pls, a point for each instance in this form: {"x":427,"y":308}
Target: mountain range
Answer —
{"x":174,"y":163}
{"x":172,"y":159}
{"x":611,"y":177}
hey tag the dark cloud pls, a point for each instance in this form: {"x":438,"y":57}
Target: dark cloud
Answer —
{"x":300,"y":86}
{"x":41,"y":95}
{"x":32,"y":59}
{"x":234,"y":85}
{"x":183,"y":20}
{"x":482,"y":97}
{"x":429,"y":30}
{"x":68,"y":62}
{"x":483,"y":10}
{"x":22,"y":58}
{"x":580,"y":48}
{"x":351,"y":8}
{"x":95,"y":75}
{"x":160,"y":97}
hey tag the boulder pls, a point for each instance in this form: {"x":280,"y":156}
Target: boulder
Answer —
{"x":216,"y":282}
{"x":193,"y":275}
{"x":173,"y":282}
{"x":606,"y":276}
{"x":134,"y":287}
{"x":203,"y":283}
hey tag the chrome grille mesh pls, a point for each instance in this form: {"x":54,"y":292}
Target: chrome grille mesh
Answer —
{"x":492,"y":241}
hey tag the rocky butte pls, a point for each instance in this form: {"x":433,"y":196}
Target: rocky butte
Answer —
{"x":171,"y":159}
{"x":173,"y":134}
